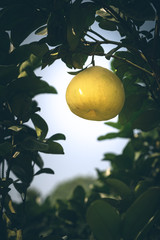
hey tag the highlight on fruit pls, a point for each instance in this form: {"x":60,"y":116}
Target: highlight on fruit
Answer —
{"x":96,"y":93}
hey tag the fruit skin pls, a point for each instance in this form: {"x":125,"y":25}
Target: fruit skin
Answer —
{"x":96,"y":93}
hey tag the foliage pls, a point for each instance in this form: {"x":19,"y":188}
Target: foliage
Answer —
{"x":63,"y":191}
{"x":126,"y":203}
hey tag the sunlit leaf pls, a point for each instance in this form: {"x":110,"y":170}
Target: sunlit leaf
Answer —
{"x":41,"y":31}
{"x":15,"y":128}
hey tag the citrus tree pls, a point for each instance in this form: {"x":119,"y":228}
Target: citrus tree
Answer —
{"x":125,"y":202}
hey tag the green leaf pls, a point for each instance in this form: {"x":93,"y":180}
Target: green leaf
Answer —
{"x":147,"y":120}
{"x":16,"y":128}
{"x":15,"y":16}
{"x":44,"y":170}
{"x":121,"y":67}
{"x":108,"y":25}
{"x":79,"y":194}
{"x":69,"y":215}
{"x":40,"y":126}
{"x":31,"y":85}
{"x":140,"y":213}
{"x":57,"y":28}
{"x":22,"y":167}
{"x":23,"y":52}
{"x":132,"y":107}
{"x":38,"y":49}
{"x":22,"y":107}
{"x":21,"y":187}
{"x":103,"y":220}
{"x":38,"y":160}
{"x":4,"y":46}
{"x":86,"y":12}
{"x":57,"y":136}
{"x":32,"y":144}
{"x":128,"y":151}
{"x":5,"y":149}
{"x":8,"y":73}
{"x":3,"y":91}
{"x":116,"y":125}
{"x":41,"y":31}
{"x":109,"y":156}
{"x":119,"y":187}
{"x":139,"y":10}
{"x":72,"y":38}
{"x":125,"y":132}
{"x":53,"y":148}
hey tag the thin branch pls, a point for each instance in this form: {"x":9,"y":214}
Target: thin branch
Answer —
{"x":133,"y":64}
{"x":106,"y":41}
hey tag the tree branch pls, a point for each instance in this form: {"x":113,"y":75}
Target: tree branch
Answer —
{"x":133,"y":64}
{"x":105,"y":41}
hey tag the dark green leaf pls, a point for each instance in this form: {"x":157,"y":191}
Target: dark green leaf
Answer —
{"x":118,"y":187}
{"x":40,"y":126}
{"x":108,"y":25}
{"x":4,"y":46}
{"x":116,"y":125}
{"x":22,"y":107}
{"x":22,"y":168}
{"x":21,"y":187}
{"x":53,"y":148}
{"x":16,"y":16}
{"x":44,"y":170}
{"x":85,"y":12}
{"x":78,"y":60}
{"x":125,"y":132}
{"x":140,"y":213}
{"x":5,"y":149}
{"x":38,"y":160}
{"x":128,"y":151}
{"x":68,"y":215}
{"x":109,"y":156}
{"x":8,"y":73}
{"x":139,"y":10}
{"x":103,"y":220}
{"x":147,"y":120}
{"x":31,"y":85}
{"x":79,"y":194}
{"x":57,"y":136}
{"x":32,"y":144}
{"x":72,"y":38}
{"x":57,"y":29}
{"x":3,"y":92}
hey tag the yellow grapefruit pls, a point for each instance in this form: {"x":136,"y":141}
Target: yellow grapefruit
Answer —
{"x":96,"y":93}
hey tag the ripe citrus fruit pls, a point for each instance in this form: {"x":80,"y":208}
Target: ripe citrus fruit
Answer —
{"x":96,"y":93}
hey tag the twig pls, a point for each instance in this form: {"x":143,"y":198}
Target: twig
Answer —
{"x":104,"y":39}
{"x":133,"y":64}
